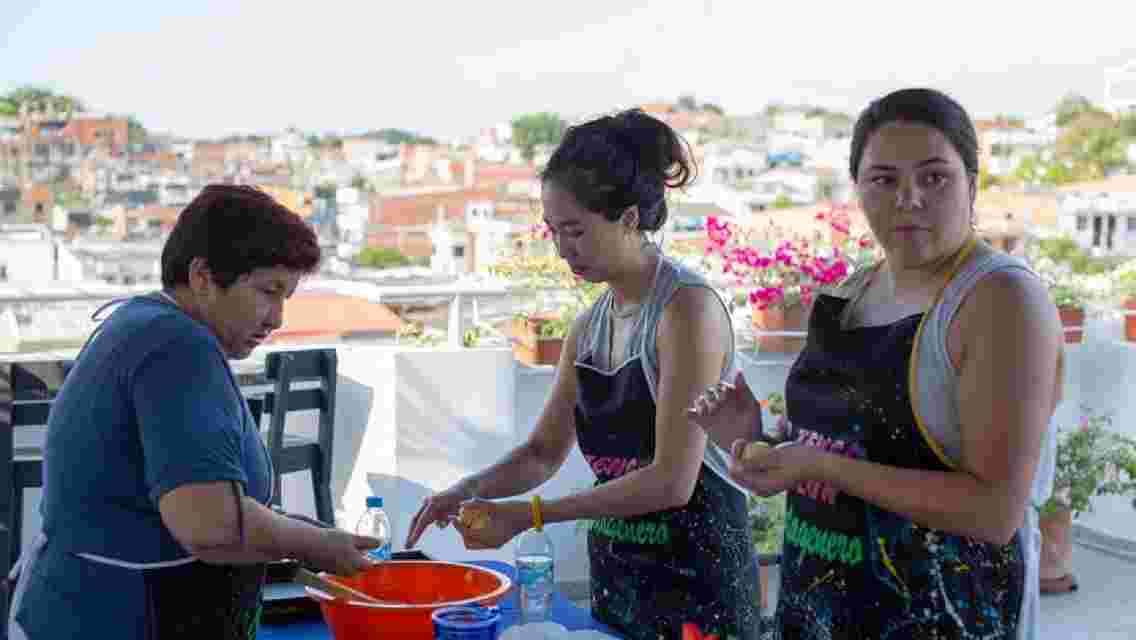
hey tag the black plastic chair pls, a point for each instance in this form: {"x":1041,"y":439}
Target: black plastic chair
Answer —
{"x":26,"y":390}
{"x":6,"y":398}
{"x":32,"y":386}
{"x":285,"y":370}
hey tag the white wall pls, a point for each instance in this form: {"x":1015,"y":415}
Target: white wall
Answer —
{"x":35,"y":261}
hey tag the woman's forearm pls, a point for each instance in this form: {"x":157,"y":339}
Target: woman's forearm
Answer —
{"x":642,"y":491}
{"x":522,"y":469}
{"x":951,"y":501}
{"x":268,"y":536}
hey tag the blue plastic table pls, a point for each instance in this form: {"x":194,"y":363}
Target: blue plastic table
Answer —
{"x":562,"y":611}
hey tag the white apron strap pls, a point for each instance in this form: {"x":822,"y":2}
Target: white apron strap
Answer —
{"x":21,"y":573}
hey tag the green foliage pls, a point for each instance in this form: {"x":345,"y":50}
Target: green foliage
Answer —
{"x":417,"y":334}
{"x":1037,"y":170}
{"x":326,"y":191}
{"x":328,"y":141}
{"x":986,"y":179}
{"x":71,"y":199}
{"x":400,"y":136}
{"x":1093,"y":143}
{"x":782,"y":201}
{"x":135,"y":131}
{"x":1126,"y":284}
{"x":381,"y":258}
{"x":555,"y":327}
{"x":1071,"y":106}
{"x":1091,"y":461}
{"x":40,"y":100}
{"x":713,"y":108}
{"x":532,"y":130}
{"x":471,"y":338}
{"x":767,"y":522}
{"x":1067,"y":295}
{"x":361,"y":183}
{"x":1127,"y":126}
{"x":1065,"y":250}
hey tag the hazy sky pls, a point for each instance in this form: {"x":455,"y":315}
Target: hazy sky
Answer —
{"x":209,"y":68}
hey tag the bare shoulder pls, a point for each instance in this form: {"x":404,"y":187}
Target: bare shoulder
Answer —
{"x":1009,"y":301}
{"x":696,"y":308}
{"x":694,"y":315}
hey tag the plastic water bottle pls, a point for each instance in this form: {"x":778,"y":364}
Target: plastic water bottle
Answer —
{"x":376,"y":524}
{"x":535,"y":574}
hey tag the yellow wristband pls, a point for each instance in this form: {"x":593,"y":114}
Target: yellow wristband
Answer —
{"x":538,"y":521}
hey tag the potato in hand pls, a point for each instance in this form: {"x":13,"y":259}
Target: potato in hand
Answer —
{"x":473,"y":518}
{"x":755,"y":451}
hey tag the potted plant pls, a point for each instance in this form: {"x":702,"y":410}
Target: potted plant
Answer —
{"x":767,"y":528}
{"x":1070,"y":301}
{"x":1092,"y":461}
{"x":1126,"y":287}
{"x":1073,"y":280}
{"x":538,"y":336}
{"x":419,"y":335}
{"x":781,"y":270}
{"x":767,"y":515}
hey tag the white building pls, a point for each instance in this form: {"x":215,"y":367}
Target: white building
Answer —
{"x":799,"y":187}
{"x":369,"y":155}
{"x":799,"y":123}
{"x":114,"y":262}
{"x":733,"y":164}
{"x":289,"y":147}
{"x":1101,"y":221}
{"x":352,"y":214}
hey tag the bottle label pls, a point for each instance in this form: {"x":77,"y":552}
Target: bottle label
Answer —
{"x":528,"y":576}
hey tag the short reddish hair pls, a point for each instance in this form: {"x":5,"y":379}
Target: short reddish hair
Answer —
{"x":236,"y":230}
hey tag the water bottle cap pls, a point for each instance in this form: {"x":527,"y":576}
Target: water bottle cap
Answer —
{"x":374,"y":502}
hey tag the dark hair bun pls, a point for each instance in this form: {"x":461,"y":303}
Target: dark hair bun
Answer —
{"x":615,"y":162}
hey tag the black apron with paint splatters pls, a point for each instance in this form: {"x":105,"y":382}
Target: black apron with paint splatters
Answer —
{"x":650,"y":574}
{"x":852,"y":570}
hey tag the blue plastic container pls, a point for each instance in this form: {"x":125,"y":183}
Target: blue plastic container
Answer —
{"x":466,"y":623}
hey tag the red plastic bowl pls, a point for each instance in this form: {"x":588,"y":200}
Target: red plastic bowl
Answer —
{"x":418,"y":587}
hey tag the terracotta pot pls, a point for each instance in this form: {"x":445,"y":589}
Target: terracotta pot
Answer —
{"x":1130,"y":320}
{"x":1073,"y":319}
{"x":775,"y":318}
{"x":1056,"y":565}
{"x":529,"y":347}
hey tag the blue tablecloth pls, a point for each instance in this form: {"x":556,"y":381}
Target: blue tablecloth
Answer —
{"x":562,"y":611}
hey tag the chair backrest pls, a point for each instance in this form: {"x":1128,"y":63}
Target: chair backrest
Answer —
{"x":284,"y":369}
{"x":26,"y":390}
{"x":6,"y":424}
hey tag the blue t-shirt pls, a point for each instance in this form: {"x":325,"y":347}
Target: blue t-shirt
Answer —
{"x":150,"y":405}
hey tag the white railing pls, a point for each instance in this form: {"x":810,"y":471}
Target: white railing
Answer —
{"x":456,"y":295}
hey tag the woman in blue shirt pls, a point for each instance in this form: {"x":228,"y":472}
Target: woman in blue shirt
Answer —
{"x":156,"y":482}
